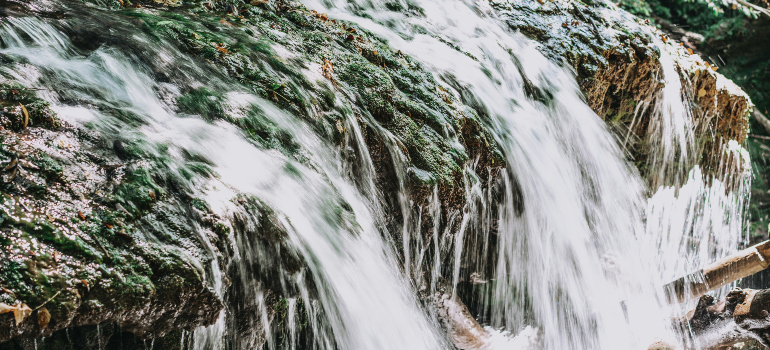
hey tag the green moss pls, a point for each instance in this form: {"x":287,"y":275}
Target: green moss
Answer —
{"x":50,"y":167}
{"x":203,"y":102}
{"x":13,"y":96}
{"x":280,"y":325}
{"x":390,"y":86}
{"x":134,"y":193}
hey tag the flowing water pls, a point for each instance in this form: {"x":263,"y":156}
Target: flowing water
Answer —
{"x":580,"y":253}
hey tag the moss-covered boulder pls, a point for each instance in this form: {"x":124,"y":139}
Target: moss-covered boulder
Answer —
{"x":617,"y":59}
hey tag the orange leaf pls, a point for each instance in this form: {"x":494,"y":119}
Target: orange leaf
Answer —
{"x":20,"y":311}
{"x":43,"y":318}
{"x":221,"y":48}
{"x":26,"y":114}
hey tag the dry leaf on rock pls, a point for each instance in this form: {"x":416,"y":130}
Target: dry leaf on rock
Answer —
{"x":26,"y":114}
{"x":43,"y":317}
{"x":20,"y":311}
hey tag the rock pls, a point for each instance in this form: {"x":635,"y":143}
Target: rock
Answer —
{"x":618,"y":66}
{"x":114,"y":230}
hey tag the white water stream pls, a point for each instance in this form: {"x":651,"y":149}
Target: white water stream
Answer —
{"x":581,"y":253}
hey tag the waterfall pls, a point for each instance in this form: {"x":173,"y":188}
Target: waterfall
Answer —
{"x":565,"y":246}
{"x":330,"y":225}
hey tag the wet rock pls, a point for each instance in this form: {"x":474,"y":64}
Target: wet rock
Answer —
{"x":111,"y":229}
{"x":617,"y":60}
{"x":65,"y":248}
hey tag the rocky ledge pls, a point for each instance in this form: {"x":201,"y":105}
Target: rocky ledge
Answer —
{"x":97,"y":230}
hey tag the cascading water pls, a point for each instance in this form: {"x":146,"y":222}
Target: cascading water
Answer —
{"x":579,"y":255}
{"x":359,"y":288}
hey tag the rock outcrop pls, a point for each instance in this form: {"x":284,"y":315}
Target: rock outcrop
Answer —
{"x":97,"y":230}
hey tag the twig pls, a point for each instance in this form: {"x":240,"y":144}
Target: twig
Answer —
{"x":760,"y":137}
{"x":754,"y":7}
{"x":287,"y":100}
{"x":46,"y":302}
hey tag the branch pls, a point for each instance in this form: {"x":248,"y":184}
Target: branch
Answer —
{"x":675,"y":30}
{"x":762,"y":120}
{"x":461,"y":328}
{"x":754,"y":7}
{"x":739,"y":265}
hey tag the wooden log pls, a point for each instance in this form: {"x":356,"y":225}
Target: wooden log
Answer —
{"x":743,"y":316}
{"x":739,"y":265}
{"x":461,"y":328}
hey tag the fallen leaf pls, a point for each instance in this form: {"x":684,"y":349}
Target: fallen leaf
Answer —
{"x":11,"y":164}
{"x":5,"y":308}
{"x":81,"y":216}
{"x":20,"y":311}
{"x":152,"y":194}
{"x":221,"y":48}
{"x":122,"y":234}
{"x":340,"y":127}
{"x":225,"y":22}
{"x":328,"y":69}
{"x":43,"y":317}
{"x":565,"y":25}
{"x":86,"y":284}
{"x":108,"y":226}
{"x":689,"y":50}
{"x":27,"y":164}
{"x":56,"y":256}
{"x":26,"y":114}
{"x":714,"y":68}
{"x":701,"y":92}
